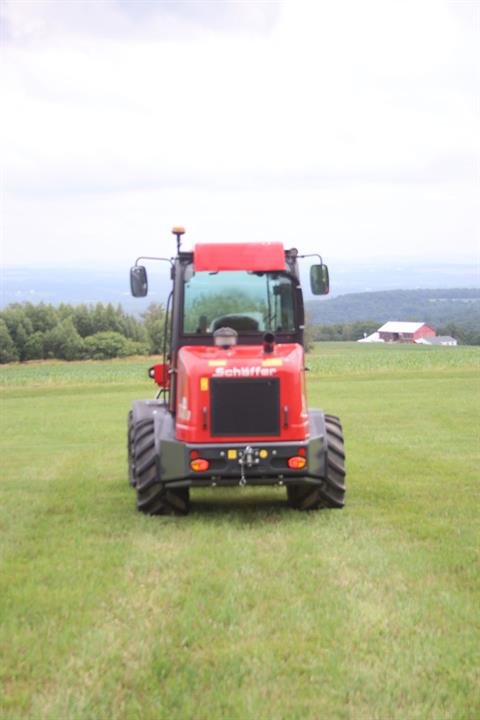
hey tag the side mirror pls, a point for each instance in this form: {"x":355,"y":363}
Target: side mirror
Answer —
{"x":319,"y":281}
{"x":138,"y":281}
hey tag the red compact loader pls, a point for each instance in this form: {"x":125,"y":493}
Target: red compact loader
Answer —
{"x":231,"y":407}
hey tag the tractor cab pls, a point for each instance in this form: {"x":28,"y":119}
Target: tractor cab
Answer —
{"x":232,"y":406}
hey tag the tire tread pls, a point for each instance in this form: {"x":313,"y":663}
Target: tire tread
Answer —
{"x":152,"y":497}
{"x":331,"y":494}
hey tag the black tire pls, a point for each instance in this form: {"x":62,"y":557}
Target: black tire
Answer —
{"x":132,"y":478}
{"x":152,"y":497}
{"x":331,"y":494}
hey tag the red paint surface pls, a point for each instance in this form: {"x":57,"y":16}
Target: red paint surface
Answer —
{"x":216,"y":257}
{"x":160,"y":374}
{"x":196,"y":365}
{"x":424,"y":331}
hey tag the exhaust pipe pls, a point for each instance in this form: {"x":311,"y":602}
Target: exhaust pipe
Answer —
{"x":268,"y":342}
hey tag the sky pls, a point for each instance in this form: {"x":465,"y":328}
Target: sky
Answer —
{"x":346,"y":128}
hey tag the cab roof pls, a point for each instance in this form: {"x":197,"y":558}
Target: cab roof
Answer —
{"x":256,"y":257}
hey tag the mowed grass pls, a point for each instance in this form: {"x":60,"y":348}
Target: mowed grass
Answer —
{"x":244,"y":609}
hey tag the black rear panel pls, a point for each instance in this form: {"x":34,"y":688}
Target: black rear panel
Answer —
{"x":245,"y":407}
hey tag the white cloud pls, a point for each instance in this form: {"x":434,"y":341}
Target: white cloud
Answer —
{"x":354,"y":125}
{"x":34,"y":22}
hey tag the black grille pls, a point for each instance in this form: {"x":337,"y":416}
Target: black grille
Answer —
{"x":245,"y":407}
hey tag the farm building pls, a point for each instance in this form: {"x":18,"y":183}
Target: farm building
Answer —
{"x":374,"y":337}
{"x":407,"y":332}
{"x":438,"y":340}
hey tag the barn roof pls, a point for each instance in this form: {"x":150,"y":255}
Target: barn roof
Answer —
{"x":392,"y":326}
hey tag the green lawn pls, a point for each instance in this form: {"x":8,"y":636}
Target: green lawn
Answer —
{"x":244,"y":609}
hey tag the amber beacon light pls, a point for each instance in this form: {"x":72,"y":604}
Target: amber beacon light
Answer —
{"x":178,"y":231}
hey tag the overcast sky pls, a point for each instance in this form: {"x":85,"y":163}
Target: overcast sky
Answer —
{"x":345,"y":127}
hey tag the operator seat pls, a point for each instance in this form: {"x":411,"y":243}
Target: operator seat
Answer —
{"x":240,"y":323}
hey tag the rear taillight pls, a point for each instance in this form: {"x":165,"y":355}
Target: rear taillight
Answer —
{"x":296,"y":462}
{"x":199,"y":465}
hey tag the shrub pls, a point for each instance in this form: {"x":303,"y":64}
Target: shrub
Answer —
{"x":64,"y":342}
{"x":106,"y":345}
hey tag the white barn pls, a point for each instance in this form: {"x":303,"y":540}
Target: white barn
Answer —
{"x":438,"y":340}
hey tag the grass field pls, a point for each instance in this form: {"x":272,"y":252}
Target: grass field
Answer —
{"x":244,"y":609}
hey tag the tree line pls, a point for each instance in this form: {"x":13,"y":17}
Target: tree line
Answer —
{"x":80,"y":332}
{"x":103,"y":331}
{"x":333,"y":332}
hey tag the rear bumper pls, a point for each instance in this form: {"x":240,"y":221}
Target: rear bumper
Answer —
{"x":173,"y":457}
{"x":174,"y":470}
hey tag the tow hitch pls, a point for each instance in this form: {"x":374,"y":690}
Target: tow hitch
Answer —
{"x":246,"y":459}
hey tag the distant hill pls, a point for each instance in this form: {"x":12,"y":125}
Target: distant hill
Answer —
{"x":435,"y":307}
{"x":105,"y":284}
{"x":80,"y":285}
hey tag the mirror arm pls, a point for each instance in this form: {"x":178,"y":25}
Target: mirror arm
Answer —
{"x":312,"y":255}
{"x":148,"y":257}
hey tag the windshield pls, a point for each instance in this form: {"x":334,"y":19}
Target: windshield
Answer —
{"x":248,"y":302}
